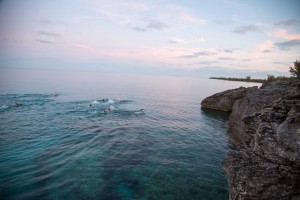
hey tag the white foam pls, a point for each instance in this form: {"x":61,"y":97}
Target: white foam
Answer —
{"x":4,"y":106}
{"x":111,"y":101}
{"x":107,"y":101}
{"x":139,"y":112}
{"x":93,"y":111}
{"x":95,"y":102}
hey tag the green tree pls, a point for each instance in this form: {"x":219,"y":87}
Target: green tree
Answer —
{"x":295,"y":71}
{"x":270,"y":77}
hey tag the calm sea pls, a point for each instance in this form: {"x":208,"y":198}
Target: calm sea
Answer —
{"x":62,"y":148}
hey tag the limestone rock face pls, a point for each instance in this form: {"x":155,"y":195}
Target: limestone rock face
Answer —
{"x":266,"y":130}
{"x":224,"y":100}
{"x":253,"y":101}
{"x":268,"y":165}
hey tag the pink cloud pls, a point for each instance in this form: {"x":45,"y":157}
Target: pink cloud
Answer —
{"x":282,"y":33}
{"x":265,"y":45}
{"x":85,"y":47}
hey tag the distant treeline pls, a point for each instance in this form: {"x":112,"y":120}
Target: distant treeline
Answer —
{"x":249,"y":79}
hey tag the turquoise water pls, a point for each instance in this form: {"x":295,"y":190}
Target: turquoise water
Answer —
{"x":62,"y":148}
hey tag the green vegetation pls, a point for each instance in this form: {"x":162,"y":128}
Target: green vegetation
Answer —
{"x":257,"y":80}
{"x":296,"y":70}
{"x":274,"y":78}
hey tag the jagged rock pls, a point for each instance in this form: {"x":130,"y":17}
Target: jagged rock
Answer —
{"x":268,"y":165}
{"x":252,"y":177}
{"x":266,"y":161}
{"x":253,"y":101}
{"x":224,"y":100}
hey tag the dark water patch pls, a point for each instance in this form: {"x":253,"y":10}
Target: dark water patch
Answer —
{"x":126,"y":101}
{"x":215,"y":114}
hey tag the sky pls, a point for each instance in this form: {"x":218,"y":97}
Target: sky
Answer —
{"x":166,"y":37}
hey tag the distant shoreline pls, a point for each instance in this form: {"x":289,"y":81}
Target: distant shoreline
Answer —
{"x":240,"y":79}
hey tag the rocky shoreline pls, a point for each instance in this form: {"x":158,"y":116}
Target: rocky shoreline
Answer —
{"x":264,"y":124}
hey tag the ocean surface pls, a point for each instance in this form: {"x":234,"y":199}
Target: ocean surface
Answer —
{"x":66,"y":147}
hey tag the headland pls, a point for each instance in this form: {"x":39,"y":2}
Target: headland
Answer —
{"x":264,"y":126}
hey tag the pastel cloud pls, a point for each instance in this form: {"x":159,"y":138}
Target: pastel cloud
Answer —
{"x":199,"y":53}
{"x":241,"y":30}
{"x":206,"y":62}
{"x":288,"y":45}
{"x":139,"y":29}
{"x":48,"y":34}
{"x":172,"y":41}
{"x":156,"y":25}
{"x":282,"y":33}
{"x":289,"y":22}
{"x":230,"y":50}
{"x":45,"y":41}
{"x":267,"y":51}
{"x":265,"y":45}
{"x":85,"y":47}
{"x":280,"y":63}
{"x":226,"y":58}
{"x":178,"y":40}
{"x":166,"y":33}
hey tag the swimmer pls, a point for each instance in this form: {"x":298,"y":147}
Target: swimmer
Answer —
{"x":101,"y":100}
{"x":89,"y":106}
{"x":56,"y":94}
{"x":107,"y":110}
{"x":18,"y":104}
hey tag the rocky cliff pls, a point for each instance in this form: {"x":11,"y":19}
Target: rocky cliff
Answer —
{"x":265,"y":126}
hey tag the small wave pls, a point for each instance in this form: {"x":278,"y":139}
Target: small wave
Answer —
{"x":94,"y":112}
{"x":139,"y":112}
{"x":95,"y":102}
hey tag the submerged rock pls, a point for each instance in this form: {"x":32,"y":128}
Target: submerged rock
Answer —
{"x":265,"y":126}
